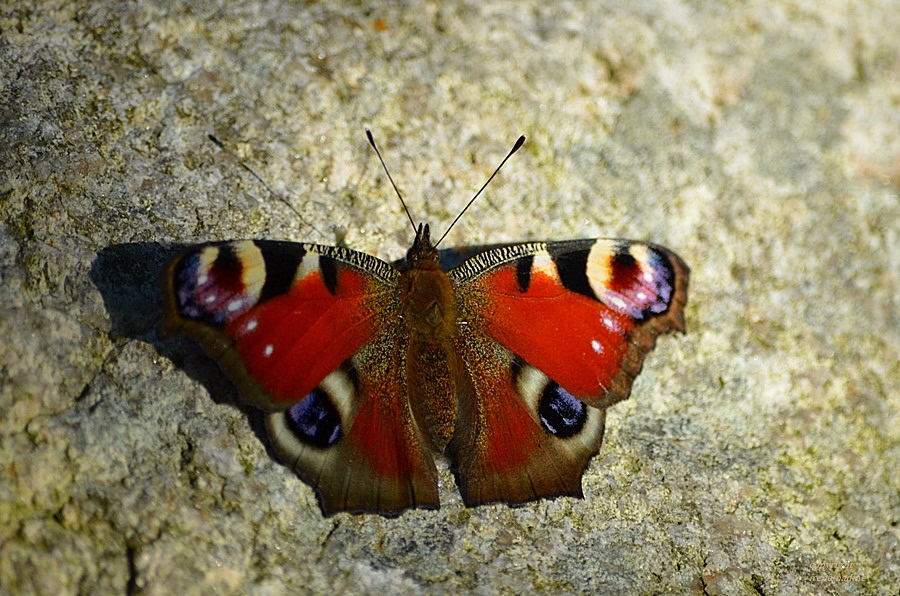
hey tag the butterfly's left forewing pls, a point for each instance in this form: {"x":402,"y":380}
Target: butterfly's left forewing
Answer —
{"x":279,"y":316}
{"x":547,"y":329}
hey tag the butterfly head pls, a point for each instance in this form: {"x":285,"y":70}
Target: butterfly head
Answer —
{"x":422,"y":250}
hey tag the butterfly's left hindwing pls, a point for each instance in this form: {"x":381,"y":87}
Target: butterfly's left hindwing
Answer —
{"x":354,"y":439}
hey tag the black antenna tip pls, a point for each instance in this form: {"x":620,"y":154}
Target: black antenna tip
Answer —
{"x":213,"y":138}
{"x":384,"y":165}
{"x":518,"y":144}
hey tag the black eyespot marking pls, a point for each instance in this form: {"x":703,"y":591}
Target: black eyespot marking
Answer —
{"x":202,"y":299}
{"x":228,"y":261}
{"x":641,"y":290}
{"x":573,"y":272}
{"x":623,"y":260}
{"x":560,"y":412}
{"x":523,"y":272}
{"x":328,"y":267}
{"x":281,"y":266}
{"x":315,"y":420}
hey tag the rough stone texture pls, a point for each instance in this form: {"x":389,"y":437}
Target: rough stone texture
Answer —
{"x":760,"y":140}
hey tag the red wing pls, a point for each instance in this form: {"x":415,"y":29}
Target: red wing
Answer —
{"x":584,"y":313}
{"x":308,"y":332}
{"x":278,"y":316}
{"x":545,"y":331}
{"x":519,"y":435}
{"x":353,"y":438}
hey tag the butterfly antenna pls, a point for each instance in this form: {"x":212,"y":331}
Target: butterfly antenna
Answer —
{"x":516,"y":147}
{"x":260,"y":179}
{"x":383,"y":165}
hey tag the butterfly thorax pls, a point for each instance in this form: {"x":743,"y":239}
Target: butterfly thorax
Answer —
{"x":426,"y":293}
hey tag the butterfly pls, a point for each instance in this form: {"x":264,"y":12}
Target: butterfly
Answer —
{"x":505,"y":364}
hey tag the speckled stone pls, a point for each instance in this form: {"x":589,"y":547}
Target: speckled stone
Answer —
{"x":760,"y":141}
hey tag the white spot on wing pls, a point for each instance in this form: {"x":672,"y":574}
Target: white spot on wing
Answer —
{"x":611,"y":324}
{"x":596,"y":346}
{"x":210,"y":298}
{"x":235,"y":305}
{"x":267,"y":351}
{"x":248,"y":327}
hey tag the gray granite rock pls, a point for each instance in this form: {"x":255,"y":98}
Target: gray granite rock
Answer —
{"x":761,"y":141}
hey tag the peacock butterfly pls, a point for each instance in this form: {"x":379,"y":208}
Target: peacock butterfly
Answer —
{"x":506,"y":363}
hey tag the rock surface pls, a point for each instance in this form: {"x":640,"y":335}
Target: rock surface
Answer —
{"x":760,"y":140}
